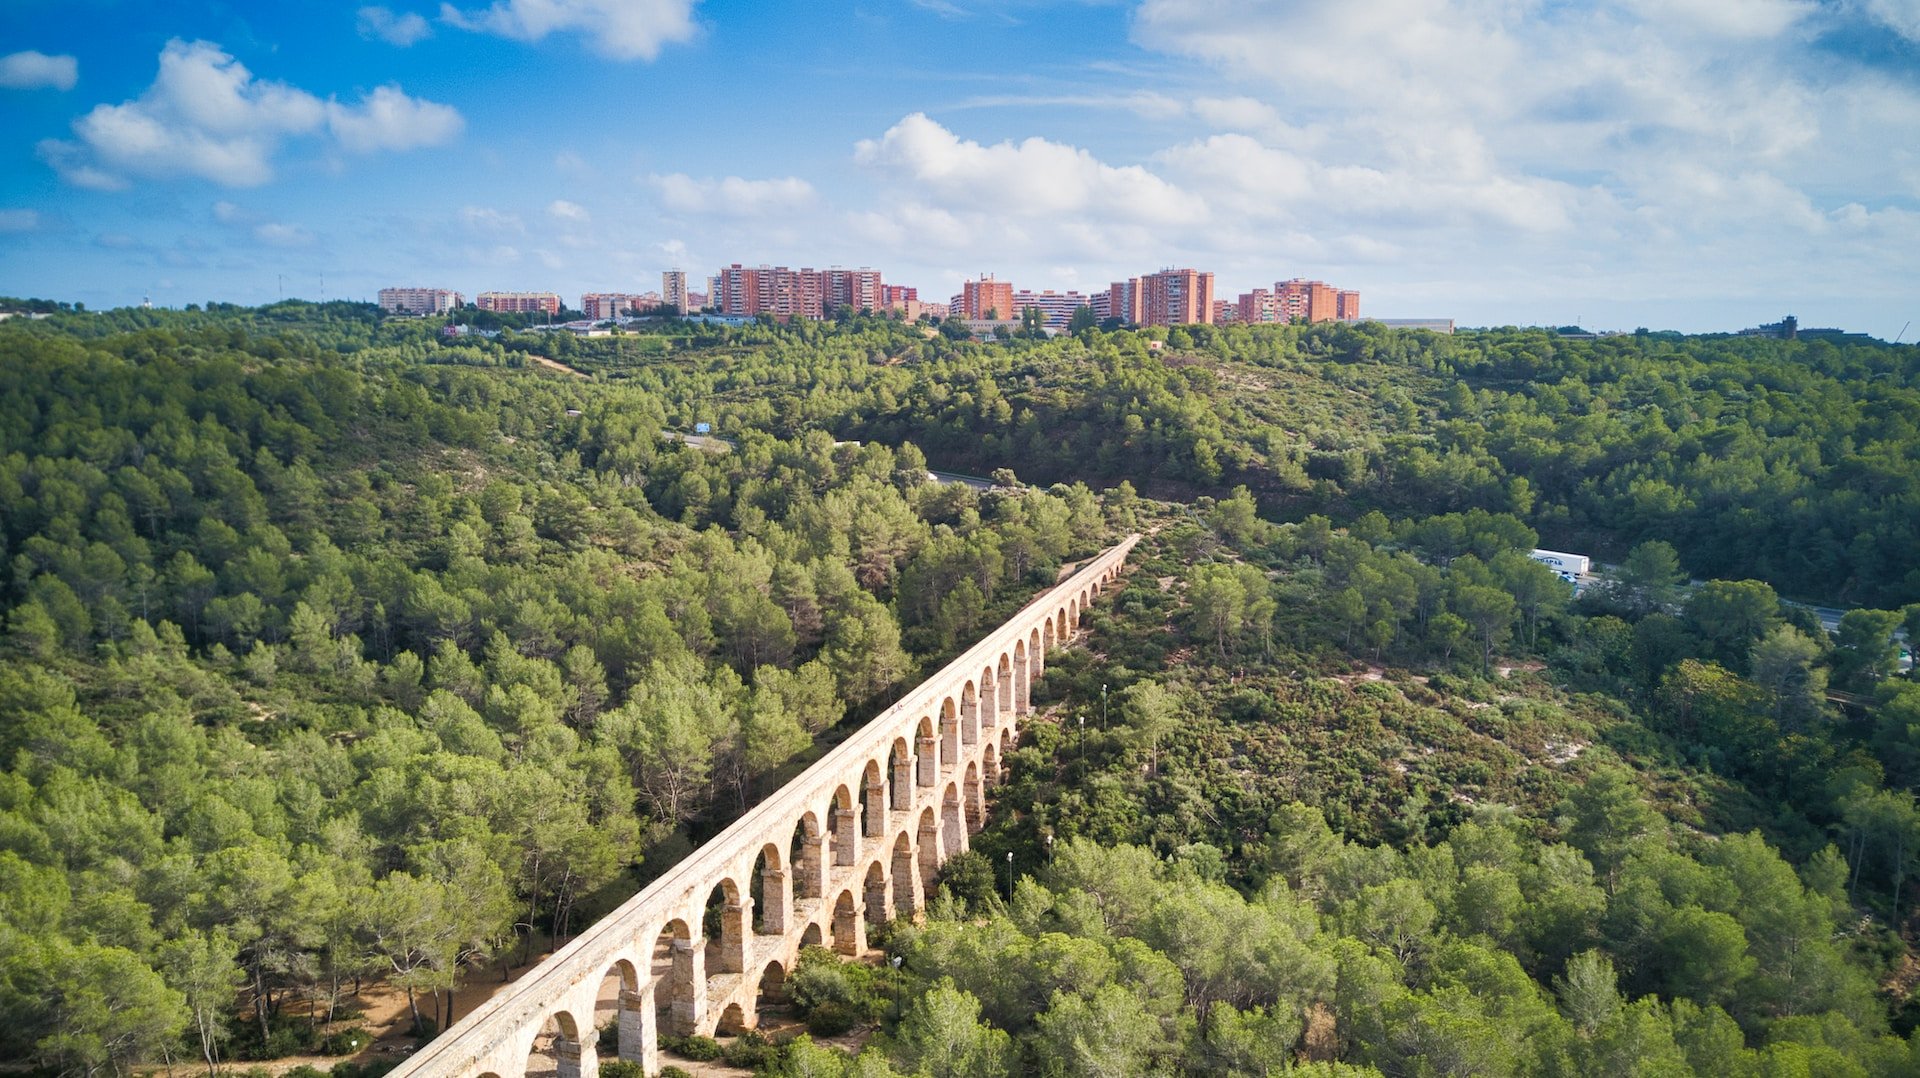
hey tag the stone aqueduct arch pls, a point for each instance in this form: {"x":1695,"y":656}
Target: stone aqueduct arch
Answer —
{"x":860,"y":834}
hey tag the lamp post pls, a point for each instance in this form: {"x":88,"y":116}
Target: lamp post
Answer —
{"x":1009,"y":877}
{"x":1083,"y":744}
{"x":1049,"y":848}
{"x":896,"y":987}
{"x":1103,"y":708}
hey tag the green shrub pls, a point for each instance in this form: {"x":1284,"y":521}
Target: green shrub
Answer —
{"x":697,"y":1048}
{"x":674,"y":1072}
{"x":751,"y":1051}
{"x":830,"y":1019}
{"x":305,"y":1070}
{"x":345,"y":1042}
{"x":621,"y":1068}
{"x":372,"y":1068}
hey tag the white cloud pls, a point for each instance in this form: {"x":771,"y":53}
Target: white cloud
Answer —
{"x":621,"y":29}
{"x":1740,"y":19}
{"x":732,"y":196}
{"x":1034,"y":178}
{"x":567,"y":211}
{"x":229,"y":214}
{"x":943,"y":8}
{"x":19,"y":220}
{"x":1637,"y":145}
{"x":488,"y":219}
{"x":402,"y":29}
{"x":206,"y":116}
{"x":31,"y":70}
{"x":282,"y":235}
{"x":388,"y":119}
{"x":1900,"y":16}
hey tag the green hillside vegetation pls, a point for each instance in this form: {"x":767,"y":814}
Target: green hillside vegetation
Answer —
{"x":336,"y":649}
{"x":321,"y":668}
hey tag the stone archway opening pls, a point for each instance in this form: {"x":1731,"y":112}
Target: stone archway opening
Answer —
{"x":806,"y":854}
{"x":906,"y":896}
{"x":953,"y":825}
{"x":949,"y":734}
{"x":878,"y":902}
{"x":841,"y":830}
{"x":899,"y":776}
{"x":969,"y":715}
{"x":620,"y":1005}
{"x":926,"y":757}
{"x":927,"y":841}
{"x":772,"y":892}
{"x":1003,"y":682}
{"x":770,"y":1001}
{"x":976,"y":799}
{"x":1036,"y":665}
{"x":989,"y":702}
{"x":723,"y":925}
{"x":1022,"y":677}
{"x":873,"y":800}
{"x":679,"y":980}
{"x":557,"y":1048}
{"x":990,"y":766}
{"x":733,"y":1021}
{"x":812,"y":937}
{"x":847,"y":929}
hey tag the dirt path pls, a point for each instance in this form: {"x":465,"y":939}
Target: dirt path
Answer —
{"x":556,"y":365}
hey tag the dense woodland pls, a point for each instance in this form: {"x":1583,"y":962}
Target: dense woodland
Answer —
{"x":339,"y":649}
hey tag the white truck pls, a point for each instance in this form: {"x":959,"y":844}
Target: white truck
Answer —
{"x":1571,"y":567}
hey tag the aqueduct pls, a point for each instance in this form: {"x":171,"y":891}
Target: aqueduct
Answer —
{"x":856,"y":838}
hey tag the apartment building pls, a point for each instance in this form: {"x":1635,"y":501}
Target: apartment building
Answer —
{"x":673,"y":290}
{"x":519,"y":302}
{"x":419,"y":300}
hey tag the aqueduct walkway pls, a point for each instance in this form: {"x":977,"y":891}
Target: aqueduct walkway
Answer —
{"x":855,"y":838}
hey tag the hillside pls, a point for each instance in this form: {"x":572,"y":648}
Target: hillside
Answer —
{"x":337,"y":650}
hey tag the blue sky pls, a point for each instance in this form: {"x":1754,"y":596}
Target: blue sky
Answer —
{"x":1688,"y":164}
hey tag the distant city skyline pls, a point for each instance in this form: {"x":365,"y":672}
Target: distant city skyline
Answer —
{"x":1617,"y":164}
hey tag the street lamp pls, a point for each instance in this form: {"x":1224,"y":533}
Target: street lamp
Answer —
{"x":1083,"y":742}
{"x":1049,"y":848}
{"x":1009,"y":877}
{"x":1103,"y":707}
{"x":896,"y":986}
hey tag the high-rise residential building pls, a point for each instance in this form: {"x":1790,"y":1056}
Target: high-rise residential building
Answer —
{"x":1311,"y":301}
{"x":1123,"y":301}
{"x":1056,"y":307}
{"x":904,"y":300}
{"x":1260,"y":305}
{"x":519,"y":302}
{"x":857,"y":290}
{"x":673,"y":290}
{"x":1102,"y":304}
{"x":1224,"y":311}
{"x":986,"y":298}
{"x":419,"y":300}
{"x":789,"y":293}
{"x":1176,"y":297}
{"x":605,"y":305}
{"x":1346,"y":306}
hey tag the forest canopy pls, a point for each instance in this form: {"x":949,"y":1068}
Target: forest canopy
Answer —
{"x":337,"y":647}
